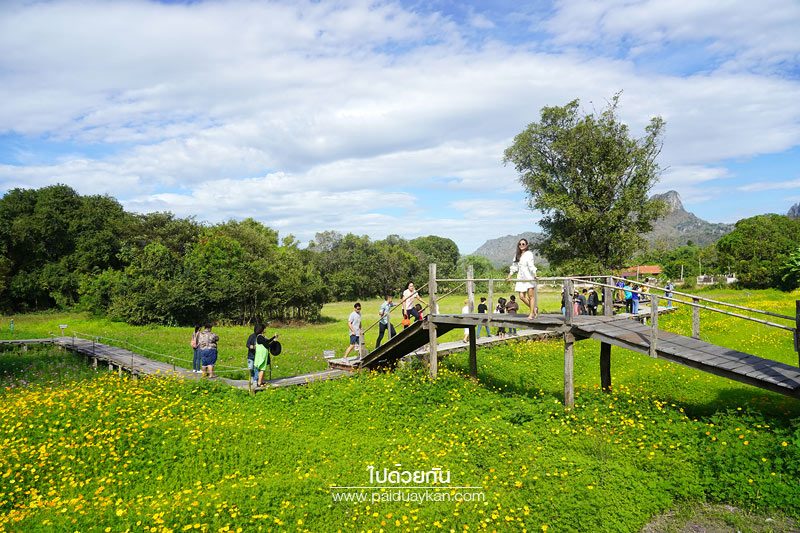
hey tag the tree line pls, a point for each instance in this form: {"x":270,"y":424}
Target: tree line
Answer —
{"x":62,"y":250}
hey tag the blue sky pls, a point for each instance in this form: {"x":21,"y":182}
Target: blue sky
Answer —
{"x":386,"y":118}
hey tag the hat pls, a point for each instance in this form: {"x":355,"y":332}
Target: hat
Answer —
{"x":275,"y":348}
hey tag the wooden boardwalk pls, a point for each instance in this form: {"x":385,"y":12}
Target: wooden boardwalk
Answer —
{"x":123,"y":360}
{"x":618,"y":330}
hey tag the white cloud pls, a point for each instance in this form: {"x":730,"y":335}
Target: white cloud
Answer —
{"x":755,"y":36}
{"x":771,"y":186}
{"x":336,"y":109}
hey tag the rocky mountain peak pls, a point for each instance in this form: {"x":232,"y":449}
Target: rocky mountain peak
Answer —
{"x":672,"y":199}
{"x":794,"y":211}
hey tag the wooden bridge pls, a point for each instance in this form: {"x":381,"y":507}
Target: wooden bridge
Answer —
{"x":621,"y":330}
{"x":122,"y":361}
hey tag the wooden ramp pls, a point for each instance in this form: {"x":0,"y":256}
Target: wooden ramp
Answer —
{"x":694,"y":353}
{"x":619,"y":330}
{"x":125,"y":360}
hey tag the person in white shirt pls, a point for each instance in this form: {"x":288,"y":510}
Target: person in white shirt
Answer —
{"x":354,"y":323}
{"x":407,"y":303}
{"x":525,"y":269}
{"x":465,"y":310}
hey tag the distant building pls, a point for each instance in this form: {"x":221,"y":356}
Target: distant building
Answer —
{"x":641,"y":271}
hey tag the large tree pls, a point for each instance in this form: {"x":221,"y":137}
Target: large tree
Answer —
{"x":591,"y":180}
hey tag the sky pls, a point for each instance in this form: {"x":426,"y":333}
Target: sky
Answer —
{"x":382,"y":118}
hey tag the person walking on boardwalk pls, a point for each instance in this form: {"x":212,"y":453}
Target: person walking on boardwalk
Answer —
{"x":501,"y":309}
{"x":668,"y":292}
{"x":483,"y":308}
{"x":511,"y":308}
{"x":385,"y":322}
{"x":464,"y":311}
{"x":354,"y":323}
{"x":592,"y":301}
{"x":252,"y":342}
{"x":207,"y":345}
{"x":525,"y":269}
{"x":262,"y":356}
{"x":197,"y":363}
{"x":407,"y":304}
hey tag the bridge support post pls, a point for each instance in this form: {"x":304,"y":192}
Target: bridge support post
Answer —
{"x":473,"y":352}
{"x":605,"y":366}
{"x":491,"y":297}
{"x":797,"y":329}
{"x":608,"y":298}
{"x":695,"y":319}
{"x":569,"y":361}
{"x":653,"y":326}
{"x":568,"y":301}
{"x":433,"y":356}
{"x":94,"y":363}
{"x":471,"y":288}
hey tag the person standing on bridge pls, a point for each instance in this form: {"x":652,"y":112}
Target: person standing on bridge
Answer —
{"x":511,"y":308}
{"x":207,"y":346}
{"x":407,"y":304}
{"x":525,"y":268}
{"x":354,"y":323}
{"x":385,"y":321}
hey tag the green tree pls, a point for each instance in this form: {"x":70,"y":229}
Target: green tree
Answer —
{"x":591,"y":180}
{"x":790,"y":273}
{"x":758,"y":248}
{"x":439,"y":250}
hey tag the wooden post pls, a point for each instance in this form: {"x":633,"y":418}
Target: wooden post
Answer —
{"x":473,"y":353}
{"x":797,"y":329}
{"x":605,"y":366}
{"x":608,"y":298}
{"x":94,"y":363}
{"x":433,"y":356}
{"x":653,"y":325}
{"x":471,"y":288}
{"x":569,"y":360}
{"x":110,"y":366}
{"x":119,"y":372}
{"x":695,"y":319}
{"x":491,"y":297}
{"x":568,"y":301}
{"x":362,"y":350}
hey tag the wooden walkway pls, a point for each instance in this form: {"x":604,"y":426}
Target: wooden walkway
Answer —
{"x":123,"y":360}
{"x":618,"y":330}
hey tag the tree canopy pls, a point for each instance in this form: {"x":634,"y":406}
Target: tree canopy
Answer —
{"x":758,"y":249}
{"x":591,"y":180}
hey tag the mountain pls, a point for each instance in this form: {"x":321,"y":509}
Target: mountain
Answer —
{"x":678,"y":226}
{"x":675,"y":229}
{"x":794,"y":211}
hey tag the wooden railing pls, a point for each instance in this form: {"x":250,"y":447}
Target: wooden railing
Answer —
{"x":608,"y":286}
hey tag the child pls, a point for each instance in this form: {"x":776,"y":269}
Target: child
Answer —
{"x":501,"y":309}
{"x":511,"y":308}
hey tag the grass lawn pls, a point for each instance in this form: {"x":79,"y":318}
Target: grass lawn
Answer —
{"x":86,"y":451}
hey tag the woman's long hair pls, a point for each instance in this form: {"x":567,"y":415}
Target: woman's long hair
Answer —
{"x":520,"y":251}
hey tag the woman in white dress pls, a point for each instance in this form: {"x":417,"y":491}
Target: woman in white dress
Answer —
{"x":525,"y":269}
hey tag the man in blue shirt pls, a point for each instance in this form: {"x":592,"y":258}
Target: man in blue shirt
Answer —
{"x":385,"y":322}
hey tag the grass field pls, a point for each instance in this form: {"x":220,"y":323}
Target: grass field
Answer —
{"x":86,"y":451}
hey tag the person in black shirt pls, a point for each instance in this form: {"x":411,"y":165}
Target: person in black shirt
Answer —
{"x":483,"y":308}
{"x":257,"y":337}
